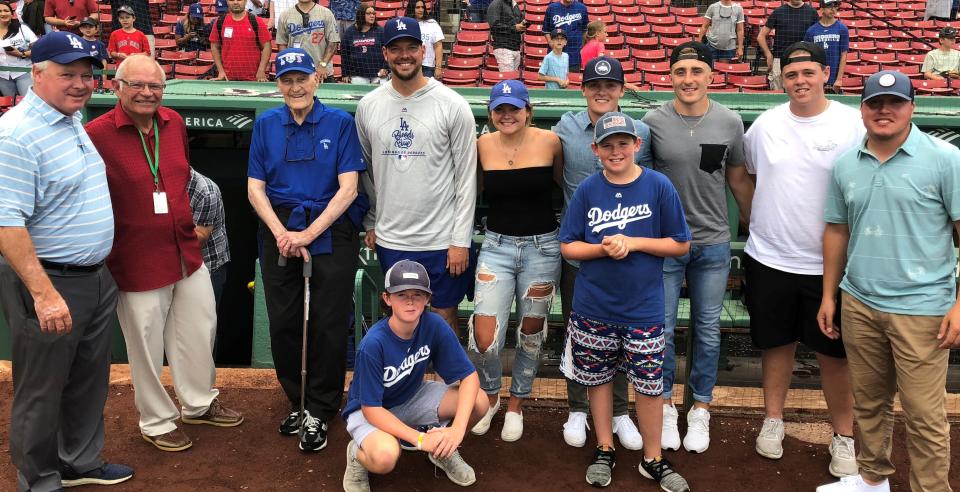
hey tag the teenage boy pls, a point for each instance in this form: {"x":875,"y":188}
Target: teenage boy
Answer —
{"x":791,"y":149}
{"x":389,"y":399}
{"x":833,"y":36}
{"x":555,"y":67}
{"x":127,"y":40}
{"x":893,"y":205}
{"x":621,"y":223}
{"x":698,"y":144}
{"x":603,"y":86}
{"x":943,"y":62}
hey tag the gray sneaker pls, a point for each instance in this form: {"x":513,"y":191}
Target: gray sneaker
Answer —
{"x":600,"y":472}
{"x":355,"y":477}
{"x":457,"y":470}
{"x":770,"y":440}
{"x":662,"y":471}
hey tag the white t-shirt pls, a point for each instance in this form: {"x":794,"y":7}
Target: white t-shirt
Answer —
{"x":430,"y":33}
{"x":792,"y":158}
{"x":253,"y":9}
{"x":22,"y":40}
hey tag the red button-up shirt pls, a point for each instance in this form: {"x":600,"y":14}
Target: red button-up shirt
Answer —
{"x":147,"y":247}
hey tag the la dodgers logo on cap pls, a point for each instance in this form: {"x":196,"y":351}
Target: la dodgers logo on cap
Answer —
{"x":506,"y":89}
{"x":887,"y":80}
{"x":76,"y":43}
{"x":603,"y":67}
{"x":400,"y":25}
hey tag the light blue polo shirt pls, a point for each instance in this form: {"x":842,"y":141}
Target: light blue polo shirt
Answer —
{"x":900,"y":258}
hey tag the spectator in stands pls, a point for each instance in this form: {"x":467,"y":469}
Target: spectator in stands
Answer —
{"x":723,"y":30}
{"x":942,"y":10}
{"x":555,"y":67}
{"x":240,"y":42}
{"x":345,"y":11}
{"x":190,"y":32}
{"x":221,"y":7}
{"x":790,"y":147}
{"x":698,"y":144}
{"x":311,"y":27}
{"x":30,"y":12}
{"x":418,"y":134}
{"x":142,"y":19}
{"x":65,"y":15}
{"x":506,"y":28}
{"x":255,"y":7}
{"x":593,"y":41}
{"x":90,"y":29}
{"x":790,"y":21}
{"x":477,"y":10}
{"x":603,"y":86}
{"x":833,"y":36}
{"x":209,"y":218}
{"x":361,"y":54}
{"x":891,"y":245}
{"x":60,"y":314}
{"x":15,"y":38}
{"x":432,"y":38}
{"x":302,"y":182}
{"x":943,"y":62}
{"x":166,"y":305}
{"x":127,"y":40}
{"x":518,"y":260}
{"x":571,"y":16}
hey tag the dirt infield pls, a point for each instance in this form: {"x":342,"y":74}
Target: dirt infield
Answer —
{"x":255,"y":457}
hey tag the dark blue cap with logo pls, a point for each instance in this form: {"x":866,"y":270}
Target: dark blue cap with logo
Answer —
{"x":399,"y":28}
{"x":603,"y":68}
{"x":613,"y":123}
{"x":887,"y":82}
{"x":511,"y":92}
{"x":221,"y":6}
{"x":63,"y":48}
{"x":558,"y":33}
{"x":196,"y":11}
{"x":294,"y":60}
{"x":406,"y":275}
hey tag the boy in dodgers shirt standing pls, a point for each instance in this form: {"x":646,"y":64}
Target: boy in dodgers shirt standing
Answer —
{"x":620,"y":224}
{"x":389,"y":398}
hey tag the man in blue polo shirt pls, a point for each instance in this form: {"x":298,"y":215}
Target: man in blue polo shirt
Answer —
{"x":571,"y":16}
{"x":893,"y":204}
{"x":834,"y":37}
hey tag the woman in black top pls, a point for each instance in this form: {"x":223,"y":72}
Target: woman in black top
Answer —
{"x":520,"y":258}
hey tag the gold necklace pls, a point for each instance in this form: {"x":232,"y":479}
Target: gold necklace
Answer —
{"x":515,"y":149}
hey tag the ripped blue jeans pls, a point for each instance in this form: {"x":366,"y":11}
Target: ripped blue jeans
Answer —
{"x":522,"y":270}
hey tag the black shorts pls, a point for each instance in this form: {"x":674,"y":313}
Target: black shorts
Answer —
{"x":783,"y":309}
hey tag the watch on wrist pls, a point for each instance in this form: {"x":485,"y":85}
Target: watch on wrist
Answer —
{"x":323,"y":64}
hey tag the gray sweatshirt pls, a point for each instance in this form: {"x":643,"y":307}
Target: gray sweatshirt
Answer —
{"x":422,"y":158}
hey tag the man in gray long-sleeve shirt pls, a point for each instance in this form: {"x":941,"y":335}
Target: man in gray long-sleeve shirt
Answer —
{"x":419,"y":140}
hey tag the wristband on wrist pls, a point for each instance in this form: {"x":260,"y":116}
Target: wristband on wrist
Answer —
{"x":420,"y":441}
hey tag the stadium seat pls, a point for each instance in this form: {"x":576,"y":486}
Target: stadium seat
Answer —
{"x":671,"y":31}
{"x":490,"y":63}
{"x":189,"y":71}
{"x":748,"y":81}
{"x":464,"y":62}
{"x":623,"y":3}
{"x":535,"y":52}
{"x":172,"y":56}
{"x":537,"y":9}
{"x":621,"y":55}
{"x":538,"y":40}
{"x":933,"y":87}
{"x":631,"y":21}
{"x":649,"y":3}
{"x":469,"y":50}
{"x":877,"y":35}
{"x":658,"y":10}
{"x":684,"y":11}
{"x":910,"y":59}
{"x":533,"y":18}
{"x":204,"y":58}
{"x":863,"y":46}
{"x":6,"y":102}
{"x":530,"y":79}
{"x":912,"y":71}
{"x":474,"y":26}
{"x":658,"y":81}
{"x":654,"y":67}
{"x":634,"y":78}
{"x":690,"y":21}
{"x":733,"y":68}
{"x":463,"y":78}
{"x":671,"y":43}
{"x":613,"y":42}
{"x":621,"y":11}
{"x":163,"y":32}
{"x":165,"y":44}
{"x":491,"y":77}
{"x":169,"y":20}
{"x":575,"y":79}
{"x":602,"y":9}
{"x":656,"y":55}
{"x":167,"y":71}
{"x":878,"y":57}
{"x":666,"y":20}
{"x":473,"y":38}
{"x":719,"y":81}
{"x":852,"y":85}
{"x":861,"y":70}
{"x":630,"y":32}
{"x":894,"y":47}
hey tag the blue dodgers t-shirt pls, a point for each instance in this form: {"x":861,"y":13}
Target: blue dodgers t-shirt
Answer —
{"x":573,"y":20}
{"x":630,"y":290}
{"x":388,"y":369}
{"x":835,"y":41}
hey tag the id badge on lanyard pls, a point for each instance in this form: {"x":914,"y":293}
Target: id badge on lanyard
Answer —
{"x":159,"y":197}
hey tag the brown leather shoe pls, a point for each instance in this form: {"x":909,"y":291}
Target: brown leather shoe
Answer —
{"x":175,"y":440}
{"x":217,"y":415}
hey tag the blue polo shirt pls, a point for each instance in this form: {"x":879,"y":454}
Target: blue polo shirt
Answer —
{"x":300,"y":163}
{"x":900,"y":257}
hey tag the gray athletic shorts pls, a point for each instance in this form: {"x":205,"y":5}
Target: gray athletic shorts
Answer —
{"x":421,"y":410}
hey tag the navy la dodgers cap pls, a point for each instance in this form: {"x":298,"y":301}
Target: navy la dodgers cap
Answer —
{"x":613,"y":123}
{"x":61,"y":47}
{"x":405,"y":275}
{"x":399,"y":28}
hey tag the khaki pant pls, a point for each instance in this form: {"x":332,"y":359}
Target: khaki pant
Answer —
{"x":896,"y":353}
{"x":776,"y":83}
{"x":181,"y":321}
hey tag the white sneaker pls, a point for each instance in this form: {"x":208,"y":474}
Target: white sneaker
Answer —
{"x":355,"y":477}
{"x":512,"y":426}
{"x":697,"y":439}
{"x":457,"y":470}
{"x":575,"y":429}
{"x":770,"y":440}
{"x":854,"y":483}
{"x":670,"y":435}
{"x":843,"y":457}
{"x":627,"y":432}
{"x":483,"y":425}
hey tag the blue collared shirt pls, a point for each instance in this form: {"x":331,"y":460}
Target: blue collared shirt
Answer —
{"x":54,"y":183}
{"x":900,"y":257}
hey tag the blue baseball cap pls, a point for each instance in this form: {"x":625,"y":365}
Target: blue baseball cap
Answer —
{"x":511,"y":92}
{"x":558,"y":33}
{"x":613,"y":123}
{"x":62,"y":47}
{"x":294,"y":60}
{"x":401,"y":27}
{"x":887,"y":82}
{"x":221,"y":6}
{"x":603,"y":68}
{"x":196,"y":11}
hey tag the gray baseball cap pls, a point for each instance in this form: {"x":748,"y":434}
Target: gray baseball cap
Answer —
{"x":612,"y":123}
{"x":887,"y":82}
{"x":405,"y":275}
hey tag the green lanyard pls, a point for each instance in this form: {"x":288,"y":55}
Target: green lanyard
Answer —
{"x":155,"y":162}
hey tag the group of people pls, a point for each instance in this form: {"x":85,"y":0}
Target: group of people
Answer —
{"x":644,"y":203}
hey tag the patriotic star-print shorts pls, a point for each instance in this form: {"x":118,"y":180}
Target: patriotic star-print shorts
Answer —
{"x":594,"y":351}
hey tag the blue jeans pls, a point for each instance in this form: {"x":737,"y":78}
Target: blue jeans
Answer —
{"x":706,"y":269}
{"x":721,"y":54}
{"x":517,"y":264}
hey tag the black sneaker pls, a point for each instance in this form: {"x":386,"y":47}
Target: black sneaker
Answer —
{"x":108,"y":474}
{"x":600,"y":472}
{"x":291,"y":425}
{"x":313,"y":433}
{"x":662,"y":471}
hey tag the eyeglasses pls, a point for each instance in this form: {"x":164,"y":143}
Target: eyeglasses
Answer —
{"x":139,"y":86}
{"x":299,"y":149}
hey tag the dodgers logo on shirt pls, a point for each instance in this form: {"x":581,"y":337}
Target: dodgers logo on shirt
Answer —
{"x":619,"y":217}
{"x":565,"y":20}
{"x":403,"y":137}
{"x":393,"y":375}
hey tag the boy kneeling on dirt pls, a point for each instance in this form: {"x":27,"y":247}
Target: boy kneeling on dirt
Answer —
{"x":389,"y":399}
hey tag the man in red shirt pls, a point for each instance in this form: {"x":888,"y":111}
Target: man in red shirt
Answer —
{"x":239,"y":51}
{"x":166,"y":303}
{"x":66,"y":15}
